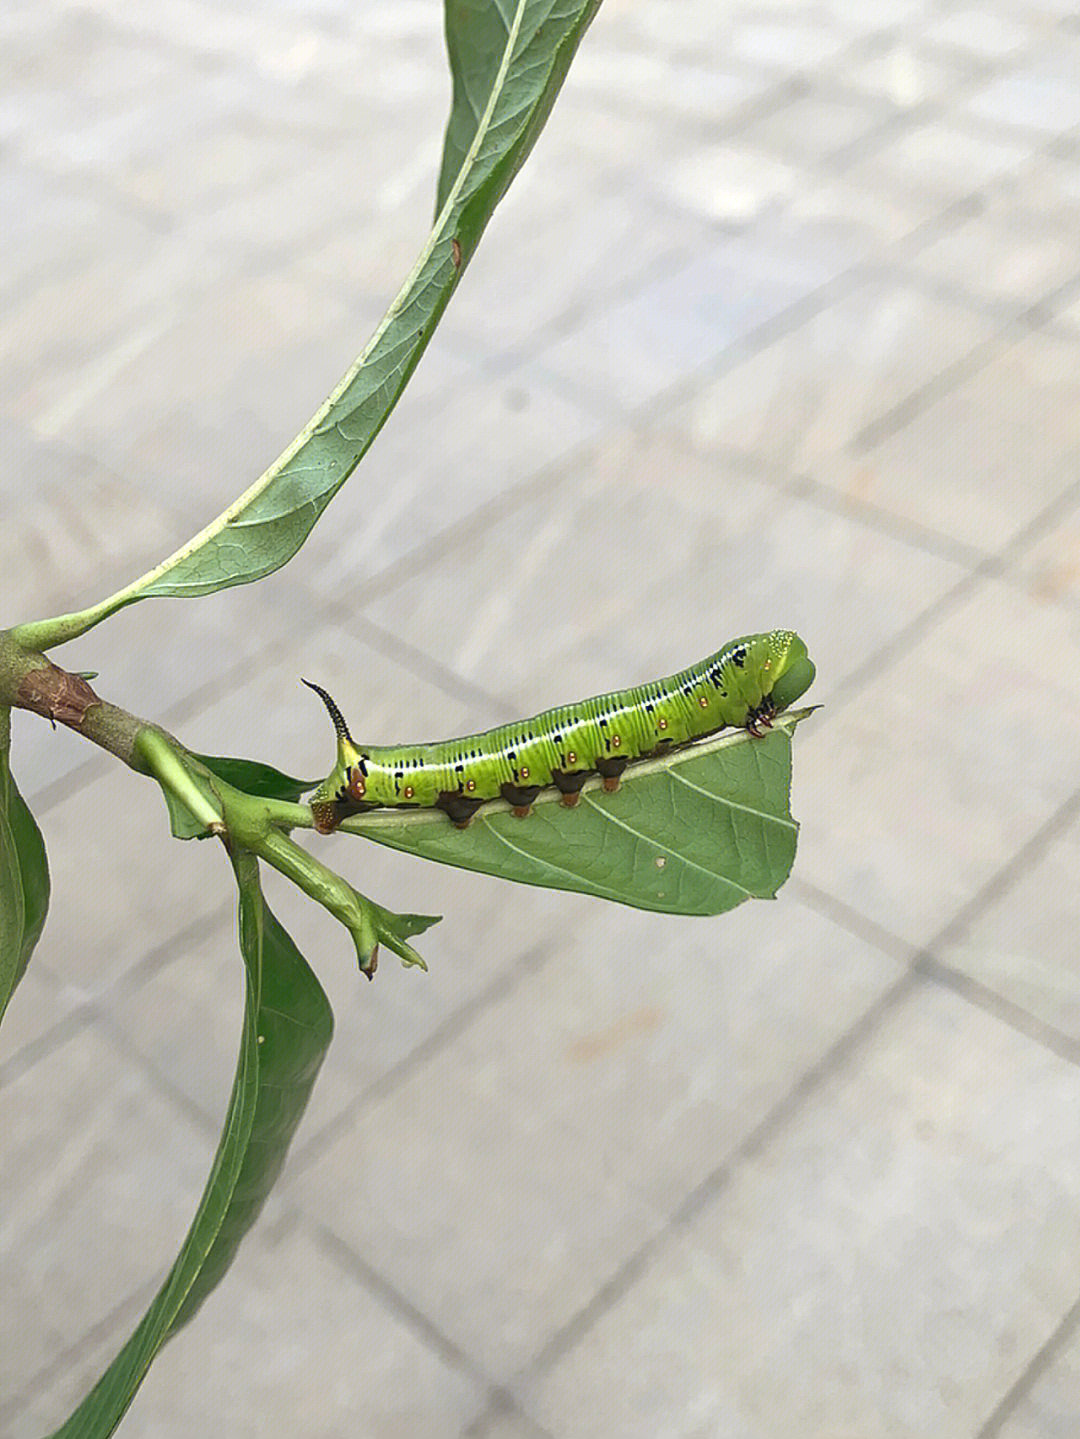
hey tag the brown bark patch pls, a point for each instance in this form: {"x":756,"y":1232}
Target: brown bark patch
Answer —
{"x":57,"y":694}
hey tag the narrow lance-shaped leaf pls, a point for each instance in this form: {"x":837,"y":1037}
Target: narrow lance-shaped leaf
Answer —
{"x":482,"y":38}
{"x":24,"y":876}
{"x":697,"y":831}
{"x":511,"y":95}
{"x":287,"y":1027}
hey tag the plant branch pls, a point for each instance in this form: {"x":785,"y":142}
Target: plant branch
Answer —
{"x":31,"y":681}
{"x":247,"y":824}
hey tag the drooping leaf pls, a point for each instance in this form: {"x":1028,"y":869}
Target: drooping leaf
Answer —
{"x":694,"y":832}
{"x":287,"y":1027}
{"x":24,"y":876}
{"x":524,"y":49}
{"x":484,"y":37}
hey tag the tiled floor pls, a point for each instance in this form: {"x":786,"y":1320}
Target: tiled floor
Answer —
{"x":779,"y":325}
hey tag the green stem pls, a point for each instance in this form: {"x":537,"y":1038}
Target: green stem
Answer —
{"x":328,"y":889}
{"x":251,"y":826}
{"x":165,"y":764}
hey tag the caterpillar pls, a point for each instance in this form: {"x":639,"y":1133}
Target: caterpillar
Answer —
{"x":746,"y":683}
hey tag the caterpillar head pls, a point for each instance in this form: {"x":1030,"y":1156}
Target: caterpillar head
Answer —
{"x":792,"y":668}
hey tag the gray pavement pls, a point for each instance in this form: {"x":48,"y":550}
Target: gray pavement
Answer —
{"x":779,"y":325}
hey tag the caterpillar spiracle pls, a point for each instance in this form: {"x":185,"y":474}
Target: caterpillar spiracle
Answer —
{"x":746,"y":683}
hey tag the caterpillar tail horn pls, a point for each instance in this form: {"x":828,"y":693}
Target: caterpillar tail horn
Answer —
{"x":326,"y":801}
{"x":338,"y":718}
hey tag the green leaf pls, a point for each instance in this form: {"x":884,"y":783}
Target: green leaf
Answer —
{"x":524,"y":49}
{"x":694,"y":832}
{"x":24,"y":876}
{"x":182,"y":823}
{"x":254,"y":777}
{"x":286,"y":1030}
{"x":487,"y":40}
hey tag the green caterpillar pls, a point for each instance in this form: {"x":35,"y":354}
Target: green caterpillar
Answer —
{"x":746,"y":683}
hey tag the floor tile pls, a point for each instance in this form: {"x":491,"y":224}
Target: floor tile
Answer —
{"x":101,"y":1179}
{"x":919,"y":791}
{"x":1049,"y":1410}
{"x":658,"y":554}
{"x":308,"y":1320}
{"x":1023,"y":945}
{"x":814,"y":390}
{"x":983,"y":457}
{"x":577,"y":1112}
{"x":1039,"y":96}
{"x":911,"y":1227}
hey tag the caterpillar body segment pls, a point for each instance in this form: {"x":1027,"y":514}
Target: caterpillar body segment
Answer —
{"x":744,"y":684}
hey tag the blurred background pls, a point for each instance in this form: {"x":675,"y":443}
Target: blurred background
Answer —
{"x":780,"y":325}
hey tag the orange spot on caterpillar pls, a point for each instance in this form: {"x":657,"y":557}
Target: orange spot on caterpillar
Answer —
{"x":355,"y":784}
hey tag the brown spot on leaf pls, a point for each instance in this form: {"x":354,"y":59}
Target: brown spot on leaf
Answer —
{"x":455,"y":252}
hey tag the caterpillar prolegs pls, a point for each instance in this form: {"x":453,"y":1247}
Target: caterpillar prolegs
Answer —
{"x":746,"y":683}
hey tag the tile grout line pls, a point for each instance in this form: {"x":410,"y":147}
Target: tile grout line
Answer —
{"x":138,"y":1298}
{"x":1004,"y":879}
{"x":1013,"y":329}
{"x":806,"y":1087}
{"x":989,"y":568}
{"x":975,"y":991}
{"x":93,"y":1008}
{"x":496,"y":1410}
{"x":1041,"y":1361}
{"x":420,"y":1324}
{"x":921,"y":970}
{"x":504,"y":984}
{"x":899,"y":416}
{"x":997,"y":1006}
{"x":800,"y":484}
